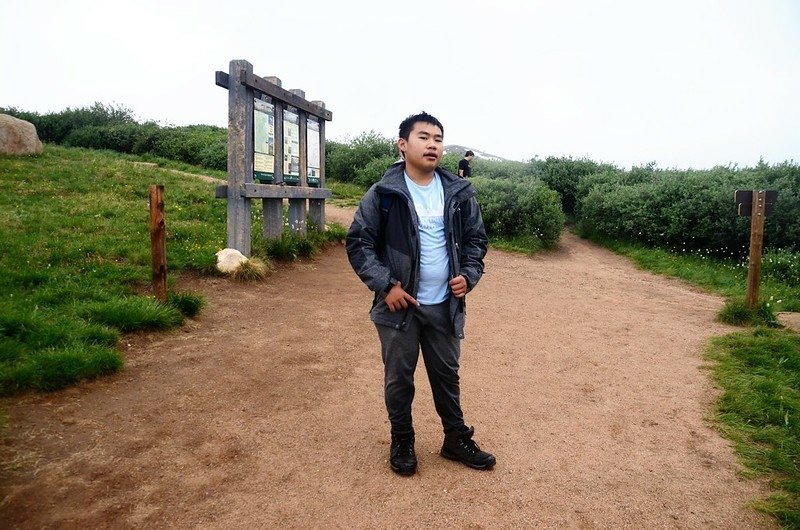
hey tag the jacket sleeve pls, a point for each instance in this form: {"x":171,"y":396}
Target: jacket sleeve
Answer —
{"x":363,"y":244}
{"x":473,"y":242}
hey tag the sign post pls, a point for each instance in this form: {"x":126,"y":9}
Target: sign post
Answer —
{"x":268,"y":152}
{"x":757,"y":204}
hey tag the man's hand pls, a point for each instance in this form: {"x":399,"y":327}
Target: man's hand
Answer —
{"x":458,"y":286}
{"x":398,"y":298}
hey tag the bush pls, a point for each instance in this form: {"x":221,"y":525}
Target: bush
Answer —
{"x":56,"y":127}
{"x":562,"y":174}
{"x":343,"y":160}
{"x":525,"y":208}
{"x":373,"y":171}
{"x":688,"y":210}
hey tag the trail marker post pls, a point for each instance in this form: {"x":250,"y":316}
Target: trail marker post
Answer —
{"x":158,"y":245}
{"x":276,"y":151}
{"x":757,"y":204}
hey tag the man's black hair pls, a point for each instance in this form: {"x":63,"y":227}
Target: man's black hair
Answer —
{"x":408,"y":123}
{"x":469,"y":153}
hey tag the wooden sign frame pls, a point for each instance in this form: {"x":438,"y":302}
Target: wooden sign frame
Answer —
{"x":304,"y":201}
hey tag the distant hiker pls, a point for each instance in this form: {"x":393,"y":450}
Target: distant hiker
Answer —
{"x":464,"y":167}
{"x":418,"y":242}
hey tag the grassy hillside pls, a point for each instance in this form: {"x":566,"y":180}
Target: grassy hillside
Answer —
{"x":76,"y":260}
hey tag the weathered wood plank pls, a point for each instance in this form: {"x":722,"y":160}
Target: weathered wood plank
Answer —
{"x":297,"y":217}
{"x":316,"y":214}
{"x":221,"y":79}
{"x":274,"y":191}
{"x":240,"y":151}
{"x":273,"y":218}
{"x":270,"y":89}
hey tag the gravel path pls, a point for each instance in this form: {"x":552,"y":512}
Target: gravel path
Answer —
{"x":581,"y":373}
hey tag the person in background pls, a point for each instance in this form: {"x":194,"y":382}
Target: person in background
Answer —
{"x":464,"y":168}
{"x":418,"y":241}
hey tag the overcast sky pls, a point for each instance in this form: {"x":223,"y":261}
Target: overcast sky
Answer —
{"x":683,"y":83}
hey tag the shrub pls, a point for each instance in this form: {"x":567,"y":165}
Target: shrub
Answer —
{"x":343,"y":160}
{"x":687,"y":210}
{"x":56,"y":127}
{"x":373,"y":171}
{"x":562,"y":174}
{"x":526,"y":208}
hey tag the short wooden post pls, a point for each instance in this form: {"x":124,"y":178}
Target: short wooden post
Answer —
{"x":756,"y":247}
{"x":158,"y":230}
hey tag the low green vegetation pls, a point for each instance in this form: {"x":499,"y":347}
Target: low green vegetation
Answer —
{"x":114,"y":128}
{"x":74,"y":224}
{"x":759,"y":372}
{"x":77,"y":260}
{"x":690,"y":210}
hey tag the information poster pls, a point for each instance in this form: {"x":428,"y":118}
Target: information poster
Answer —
{"x":312,"y":137}
{"x":291,"y":146}
{"x":263,"y":140}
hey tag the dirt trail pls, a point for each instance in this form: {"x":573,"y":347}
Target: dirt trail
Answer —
{"x":582,"y":374}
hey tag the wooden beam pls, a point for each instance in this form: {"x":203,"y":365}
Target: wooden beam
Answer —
{"x":240,"y":157}
{"x":273,"y":191}
{"x":270,"y":89}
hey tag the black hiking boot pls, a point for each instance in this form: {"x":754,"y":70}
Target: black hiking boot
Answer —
{"x":461,"y":447}
{"x":401,"y":454}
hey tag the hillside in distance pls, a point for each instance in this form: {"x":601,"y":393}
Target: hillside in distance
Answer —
{"x":460,"y":150}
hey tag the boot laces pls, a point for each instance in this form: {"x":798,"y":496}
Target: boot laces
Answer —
{"x":469,"y":445}
{"x":406,"y":448}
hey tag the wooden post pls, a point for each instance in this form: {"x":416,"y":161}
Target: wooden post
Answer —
{"x":756,"y":247}
{"x":158,"y":229}
{"x":273,"y":207}
{"x":240,"y":156}
{"x":316,"y":207}
{"x":297,"y":207}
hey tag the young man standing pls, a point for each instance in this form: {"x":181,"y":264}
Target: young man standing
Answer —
{"x":418,"y":242}
{"x":464,"y":167}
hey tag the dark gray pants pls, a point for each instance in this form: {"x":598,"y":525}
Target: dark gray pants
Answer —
{"x":431,"y":330}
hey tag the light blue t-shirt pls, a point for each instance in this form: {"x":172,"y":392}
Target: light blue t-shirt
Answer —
{"x":434,"y":265}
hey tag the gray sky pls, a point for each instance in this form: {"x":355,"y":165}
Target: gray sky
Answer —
{"x":683,"y":83}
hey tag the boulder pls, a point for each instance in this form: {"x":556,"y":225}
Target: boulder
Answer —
{"x":229,"y":259}
{"x":18,"y":137}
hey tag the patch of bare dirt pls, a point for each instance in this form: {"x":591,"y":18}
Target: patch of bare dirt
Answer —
{"x":581,"y":373}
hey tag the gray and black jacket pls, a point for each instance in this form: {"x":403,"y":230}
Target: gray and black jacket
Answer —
{"x":383,"y":242}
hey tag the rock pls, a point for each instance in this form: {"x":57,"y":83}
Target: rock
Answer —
{"x":18,"y":137}
{"x":229,"y":259}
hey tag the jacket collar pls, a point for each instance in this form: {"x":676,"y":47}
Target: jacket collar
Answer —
{"x":454,"y":186}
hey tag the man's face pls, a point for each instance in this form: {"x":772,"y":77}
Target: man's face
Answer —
{"x":424,"y":147}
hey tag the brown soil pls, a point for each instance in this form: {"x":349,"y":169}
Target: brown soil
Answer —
{"x":581,"y":373}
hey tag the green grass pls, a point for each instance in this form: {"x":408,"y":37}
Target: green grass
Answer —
{"x":528,"y":245}
{"x":345,"y":194}
{"x":759,"y":371}
{"x":76,"y":251}
{"x":725,"y":277}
